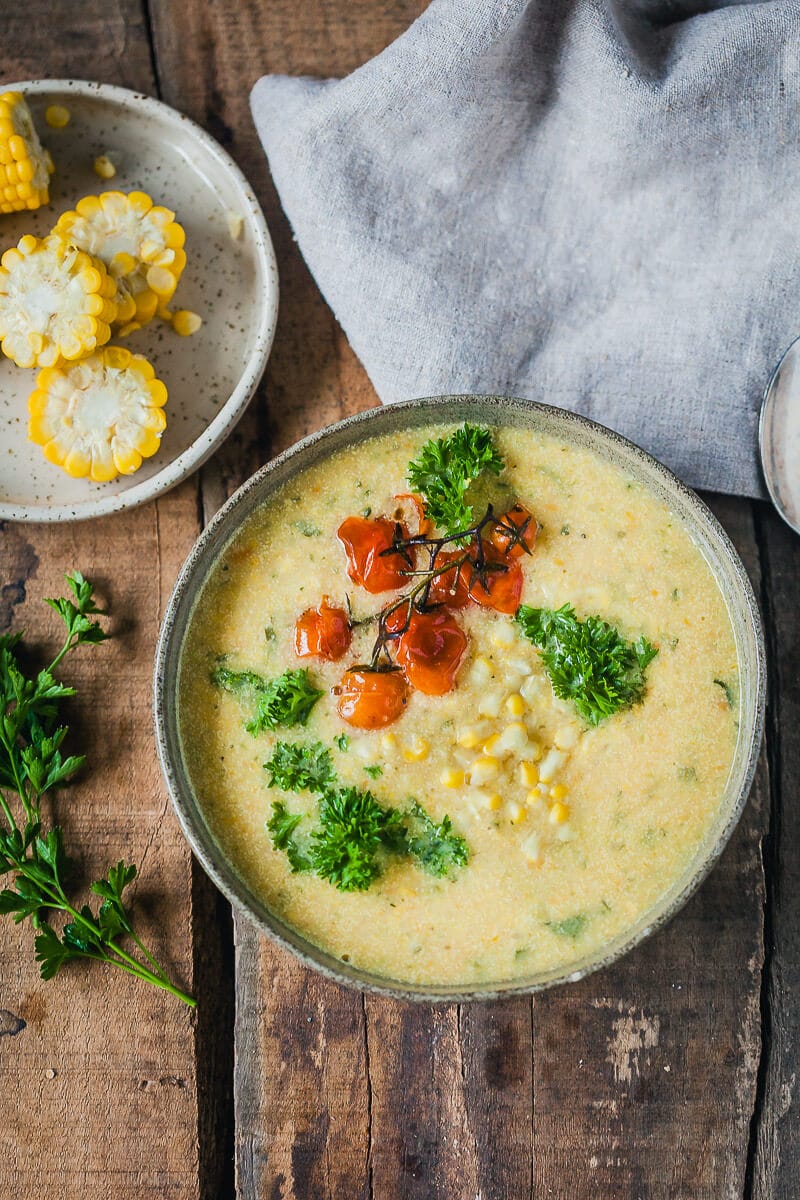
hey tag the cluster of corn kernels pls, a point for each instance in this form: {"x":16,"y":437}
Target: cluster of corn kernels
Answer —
{"x":502,"y":762}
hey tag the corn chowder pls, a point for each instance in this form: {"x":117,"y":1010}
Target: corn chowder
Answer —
{"x":457,"y":760}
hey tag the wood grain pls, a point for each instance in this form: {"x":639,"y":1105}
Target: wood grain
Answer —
{"x":99,"y":1094}
{"x":100,"y":1086}
{"x":776,"y":1127}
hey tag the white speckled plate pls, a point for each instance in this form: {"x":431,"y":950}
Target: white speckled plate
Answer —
{"x":232,"y":284}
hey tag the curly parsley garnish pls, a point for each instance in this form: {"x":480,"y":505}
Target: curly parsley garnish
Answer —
{"x":437,"y":849}
{"x":31,"y":765}
{"x":444,"y":470}
{"x":356,"y":833}
{"x":281,"y":702}
{"x":588,"y":662}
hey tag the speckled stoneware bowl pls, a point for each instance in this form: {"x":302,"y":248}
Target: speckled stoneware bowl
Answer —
{"x":701,"y":524}
{"x":232,"y":284}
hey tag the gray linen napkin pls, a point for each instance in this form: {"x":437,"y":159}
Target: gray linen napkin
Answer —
{"x":567,"y":200}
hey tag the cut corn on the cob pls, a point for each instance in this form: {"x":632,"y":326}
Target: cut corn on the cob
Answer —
{"x":141,"y":244}
{"x":25,"y":166}
{"x":56,"y":302}
{"x":99,"y":417}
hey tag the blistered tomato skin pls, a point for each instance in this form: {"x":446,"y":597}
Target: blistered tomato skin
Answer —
{"x":371,"y":699}
{"x":520,"y":519}
{"x":499,"y":590}
{"x":430,"y":651}
{"x":450,"y":587}
{"x":364,"y":540}
{"x":322,"y":632}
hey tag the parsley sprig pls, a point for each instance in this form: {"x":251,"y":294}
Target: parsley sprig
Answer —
{"x":356,"y":832}
{"x":444,"y":470}
{"x":31,"y":765}
{"x":589,"y":662}
{"x":284,"y":701}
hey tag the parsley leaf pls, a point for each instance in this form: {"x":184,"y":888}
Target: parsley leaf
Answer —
{"x":281,"y":826}
{"x":570,"y":927}
{"x":284,"y":701}
{"x":588,"y":662}
{"x":444,"y":470}
{"x":437,"y":849}
{"x":356,"y":832}
{"x":354,"y":827}
{"x":298,"y":768}
{"x":31,"y":765}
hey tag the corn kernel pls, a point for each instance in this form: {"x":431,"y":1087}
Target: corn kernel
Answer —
{"x":489,"y":704}
{"x":565,"y":738}
{"x":235,"y":224}
{"x":521,"y":666}
{"x":533,"y":798}
{"x":503,"y":634}
{"x":490,"y":746}
{"x":559,"y":813}
{"x":451,"y":778}
{"x":531,"y":848}
{"x":470,"y":737}
{"x":558,"y":792}
{"x":530,"y":688}
{"x":551,"y":763}
{"x":517,"y":813}
{"x":186,"y":323}
{"x":495,"y":802}
{"x":515,"y":705}
{"x":389,"y":741}
{"x":514,"y":738}
{"x":57,"y":116}
{"x":483,"y":769}
{"x":482,"y":670}
{"x":534,"y":752}
{"x":528,"y":774}
{"x":104,"y":167}
{"x":416,"y":750}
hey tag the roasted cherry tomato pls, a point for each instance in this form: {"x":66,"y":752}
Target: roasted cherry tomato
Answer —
{"x":322,"y":632}
{"x":430,"y":651}
{"x":450,"y":588}
{"x":521,"y":519}
{"x":497,"y":589}
{"x":364,"y":540}
{"x":371,"y":699}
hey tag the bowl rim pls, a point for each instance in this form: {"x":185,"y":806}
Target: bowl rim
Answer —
{"x":214,"y":861}
{"x":225,"y":420}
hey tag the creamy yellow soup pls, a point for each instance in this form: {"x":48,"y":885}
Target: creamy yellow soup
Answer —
{"x":574,"y":831}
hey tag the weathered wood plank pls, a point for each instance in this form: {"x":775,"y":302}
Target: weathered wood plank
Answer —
{"x":776,"y":1129}
{"x":100,"y":1095}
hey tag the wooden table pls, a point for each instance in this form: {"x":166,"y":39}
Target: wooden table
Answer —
{"x":671,"y":1074}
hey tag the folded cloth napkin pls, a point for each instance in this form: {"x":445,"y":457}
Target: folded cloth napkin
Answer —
{"x":589,"y":203}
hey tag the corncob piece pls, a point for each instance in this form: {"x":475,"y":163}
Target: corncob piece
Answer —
{"x":141,"y":243}
{"x":25,"y":166}
{"x":99,"y":417}
{"x":56,"y":302}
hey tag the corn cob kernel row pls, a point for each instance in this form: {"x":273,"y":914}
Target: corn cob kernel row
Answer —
{"x":25,"y":166}
{"x":99,"y":417}
{"x":56,"y":302}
